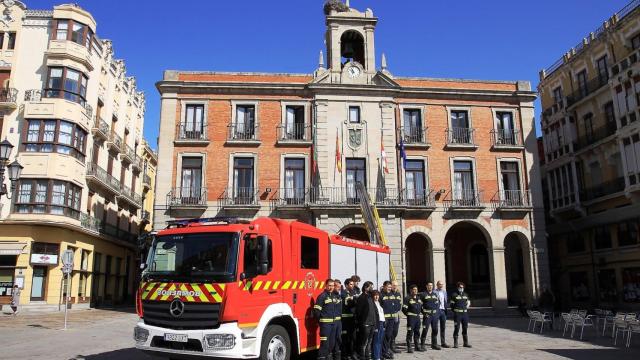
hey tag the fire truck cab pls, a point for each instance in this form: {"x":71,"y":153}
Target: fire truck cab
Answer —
{"x":243,"y":289}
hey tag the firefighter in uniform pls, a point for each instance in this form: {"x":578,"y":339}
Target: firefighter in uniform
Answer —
{"x":337,"y":320}
{"x":459,"y":305}
{"x":324,"y":311}
{"x":387,"y":300}
{"x":348,"y":297}
{"x":430,"y":316}
{"x":396,"y":318}
{"x":412,"y":308}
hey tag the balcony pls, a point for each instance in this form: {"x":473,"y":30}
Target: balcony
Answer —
{"x":592,"y":86}
{"x":130,"y":197}
{"x":417,"y":199}
{"x":90,"y":223}
{"x":506,"y":139}
{"x":97,"y":176}
{"x":512,"y":201}
{"x":242,"y":134}
{"x":464,"y":200}
{"x":290,"y":198}
{"x":146,"y":182}
{"x":128,"y":154}
{"x":67,"y":49}
{"x":137,"y":165}
{"x":556,"y":108}
{"x":605,"y":189}
{"x":8,"y":99}
{"x":294,"y":134}
{"x":593,"y":138}
{"x":414,"y":136}
{"x":239,"y":197}
{"x":57,"y":103}
{"x":191,"y":134}
{"x":114,"y":143}
{"x":461,"y":138}
{"x":334,"y":197}
{"x":100,"y":129}
{"x":187,"y":198}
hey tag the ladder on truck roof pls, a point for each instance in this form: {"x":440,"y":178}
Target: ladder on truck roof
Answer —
{"x":372,"y":221}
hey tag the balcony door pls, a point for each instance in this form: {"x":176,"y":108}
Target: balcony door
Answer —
{"x":460,"y":132}
{"x":463,"y":184}
{"x":191,"y":188}
{"x":294,"y":181}
{"x":245,"y":122}
{"x":294,"y":123}
{"x":510,"y":183}
{"x":194,"y":122}
{"x":414,"y":182}
{"x":412,"y":121}
{"x":243,"y":184}
{"x":504,"y":125}
{"x":356,"y":173}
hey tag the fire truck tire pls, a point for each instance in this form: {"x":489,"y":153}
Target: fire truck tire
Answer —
{"x":276,"y":344}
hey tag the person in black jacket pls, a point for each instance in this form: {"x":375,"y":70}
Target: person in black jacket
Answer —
{"x":367,"y":320}
{"x":324,"y":311}
{"x":348,"y":296}
{"x":460,"y":303}
{"x":337,"y":320}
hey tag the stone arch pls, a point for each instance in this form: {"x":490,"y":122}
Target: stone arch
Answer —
{"x":355,"y":232}
{"x":352,"y":46}
{"x":468,"y":258}
{"x":418,"y":255}
{"x":518,"y":267}
{"x":487,"y":235}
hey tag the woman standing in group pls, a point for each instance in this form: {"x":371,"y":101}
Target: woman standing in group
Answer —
{"x":367,"y":320}
{"x":378,"y":337}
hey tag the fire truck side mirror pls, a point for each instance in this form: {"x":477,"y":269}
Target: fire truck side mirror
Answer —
{"x":263,"y":255}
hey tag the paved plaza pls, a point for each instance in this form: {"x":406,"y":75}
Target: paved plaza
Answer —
{"x":104,"y":334}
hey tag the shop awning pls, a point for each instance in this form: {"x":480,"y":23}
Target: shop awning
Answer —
{"x":12,"y":248}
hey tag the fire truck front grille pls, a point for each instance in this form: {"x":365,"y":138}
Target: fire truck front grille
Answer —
{"x":195,"y":315}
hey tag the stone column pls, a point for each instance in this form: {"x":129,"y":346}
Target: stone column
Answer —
{"x":498,"y":280}
{"x":439,"y":266}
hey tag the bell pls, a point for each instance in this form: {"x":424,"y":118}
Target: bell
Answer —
{"x":348,"y":51}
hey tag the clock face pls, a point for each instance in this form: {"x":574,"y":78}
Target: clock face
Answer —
{"x":353,"y":72}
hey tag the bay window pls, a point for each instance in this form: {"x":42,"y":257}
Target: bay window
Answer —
{"x":45,"y":196}
{"x":66,"y":83}
{"x":75,"y":31}
{"x":58,"y":136}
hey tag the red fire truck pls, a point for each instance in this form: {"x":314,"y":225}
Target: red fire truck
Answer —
{"x":243,"y":289}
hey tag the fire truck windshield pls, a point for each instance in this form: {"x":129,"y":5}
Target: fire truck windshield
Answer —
{"x":197,"y":256}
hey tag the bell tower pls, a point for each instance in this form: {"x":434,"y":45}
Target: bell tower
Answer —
{"x":350,"y":43}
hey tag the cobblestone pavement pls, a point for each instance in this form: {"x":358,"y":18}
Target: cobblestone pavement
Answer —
{"x":105,"y":334}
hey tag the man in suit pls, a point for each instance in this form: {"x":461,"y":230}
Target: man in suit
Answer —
{"x":442,"y":312}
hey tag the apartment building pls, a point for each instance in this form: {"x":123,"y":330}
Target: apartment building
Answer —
{"x":75,"y":120}
{"x":591,"y":136}
{"x":450,"y":163}
{"x":149,"y":165}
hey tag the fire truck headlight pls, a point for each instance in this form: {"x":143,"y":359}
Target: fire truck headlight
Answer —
{"x":219,"y":341}
{"x":140,"y":335}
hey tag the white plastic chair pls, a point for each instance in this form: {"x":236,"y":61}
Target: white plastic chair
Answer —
{"x":581,"y":321}
{"x":634,"y":328}
{"x":530,"y":314}
{"x":620,"y":326}
{"x":611,"y":321}
{"x":542,"y":319}
{"x":567,"y":322}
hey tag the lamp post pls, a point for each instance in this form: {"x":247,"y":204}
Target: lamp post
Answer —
{"x":15,"y":169}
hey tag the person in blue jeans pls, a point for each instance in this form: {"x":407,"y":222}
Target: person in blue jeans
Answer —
{"x":442,"y":313}
{"x":378,"y":337}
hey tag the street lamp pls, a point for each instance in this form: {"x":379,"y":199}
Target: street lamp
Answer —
{"x":15,"y":169}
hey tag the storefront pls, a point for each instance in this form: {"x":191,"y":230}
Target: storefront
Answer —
{"x":9,"y":275}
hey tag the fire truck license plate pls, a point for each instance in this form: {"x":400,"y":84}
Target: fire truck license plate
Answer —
{"x":176,"y":337}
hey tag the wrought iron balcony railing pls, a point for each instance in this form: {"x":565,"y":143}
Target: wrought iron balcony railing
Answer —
{"x":294,"y":132}
{"x":239,"y":196}
{"x":191,"y":132}
{"x":461,"y":136}
{"x":187,"y":196}
{"x":8,"y":95}
{"x":108,"y":180}
{"x":411,"y":135}
{"x":464,"y":198}
{"x":506,"y":138}
{"x":506,"y":199}
{"x":243,"y":132}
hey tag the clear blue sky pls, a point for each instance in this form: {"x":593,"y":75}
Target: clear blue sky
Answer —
{"x":496,"y":39}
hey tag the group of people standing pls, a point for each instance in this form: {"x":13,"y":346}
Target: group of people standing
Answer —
{"x":362,"y":324}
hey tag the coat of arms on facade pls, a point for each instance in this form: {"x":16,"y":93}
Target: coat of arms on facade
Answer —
{"x":355,"y":134}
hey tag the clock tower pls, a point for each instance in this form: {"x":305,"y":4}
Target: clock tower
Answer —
{"x":350,"y":45}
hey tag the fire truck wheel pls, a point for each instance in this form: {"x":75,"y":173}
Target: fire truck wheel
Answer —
{"x":276,"y":344}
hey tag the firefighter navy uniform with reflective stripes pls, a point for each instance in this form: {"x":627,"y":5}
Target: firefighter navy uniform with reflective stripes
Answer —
{"x":388,"y":302}
{"x":412,"y":308}
{"x":430,"y":316}
{"x":348,"y":322}
{"x":337,"y":321}
{"x":324,"y":311}
{"x":459,"y":305}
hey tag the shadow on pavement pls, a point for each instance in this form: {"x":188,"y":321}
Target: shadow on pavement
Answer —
{"x":595,"y":354}
{"x":122,"y":354}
